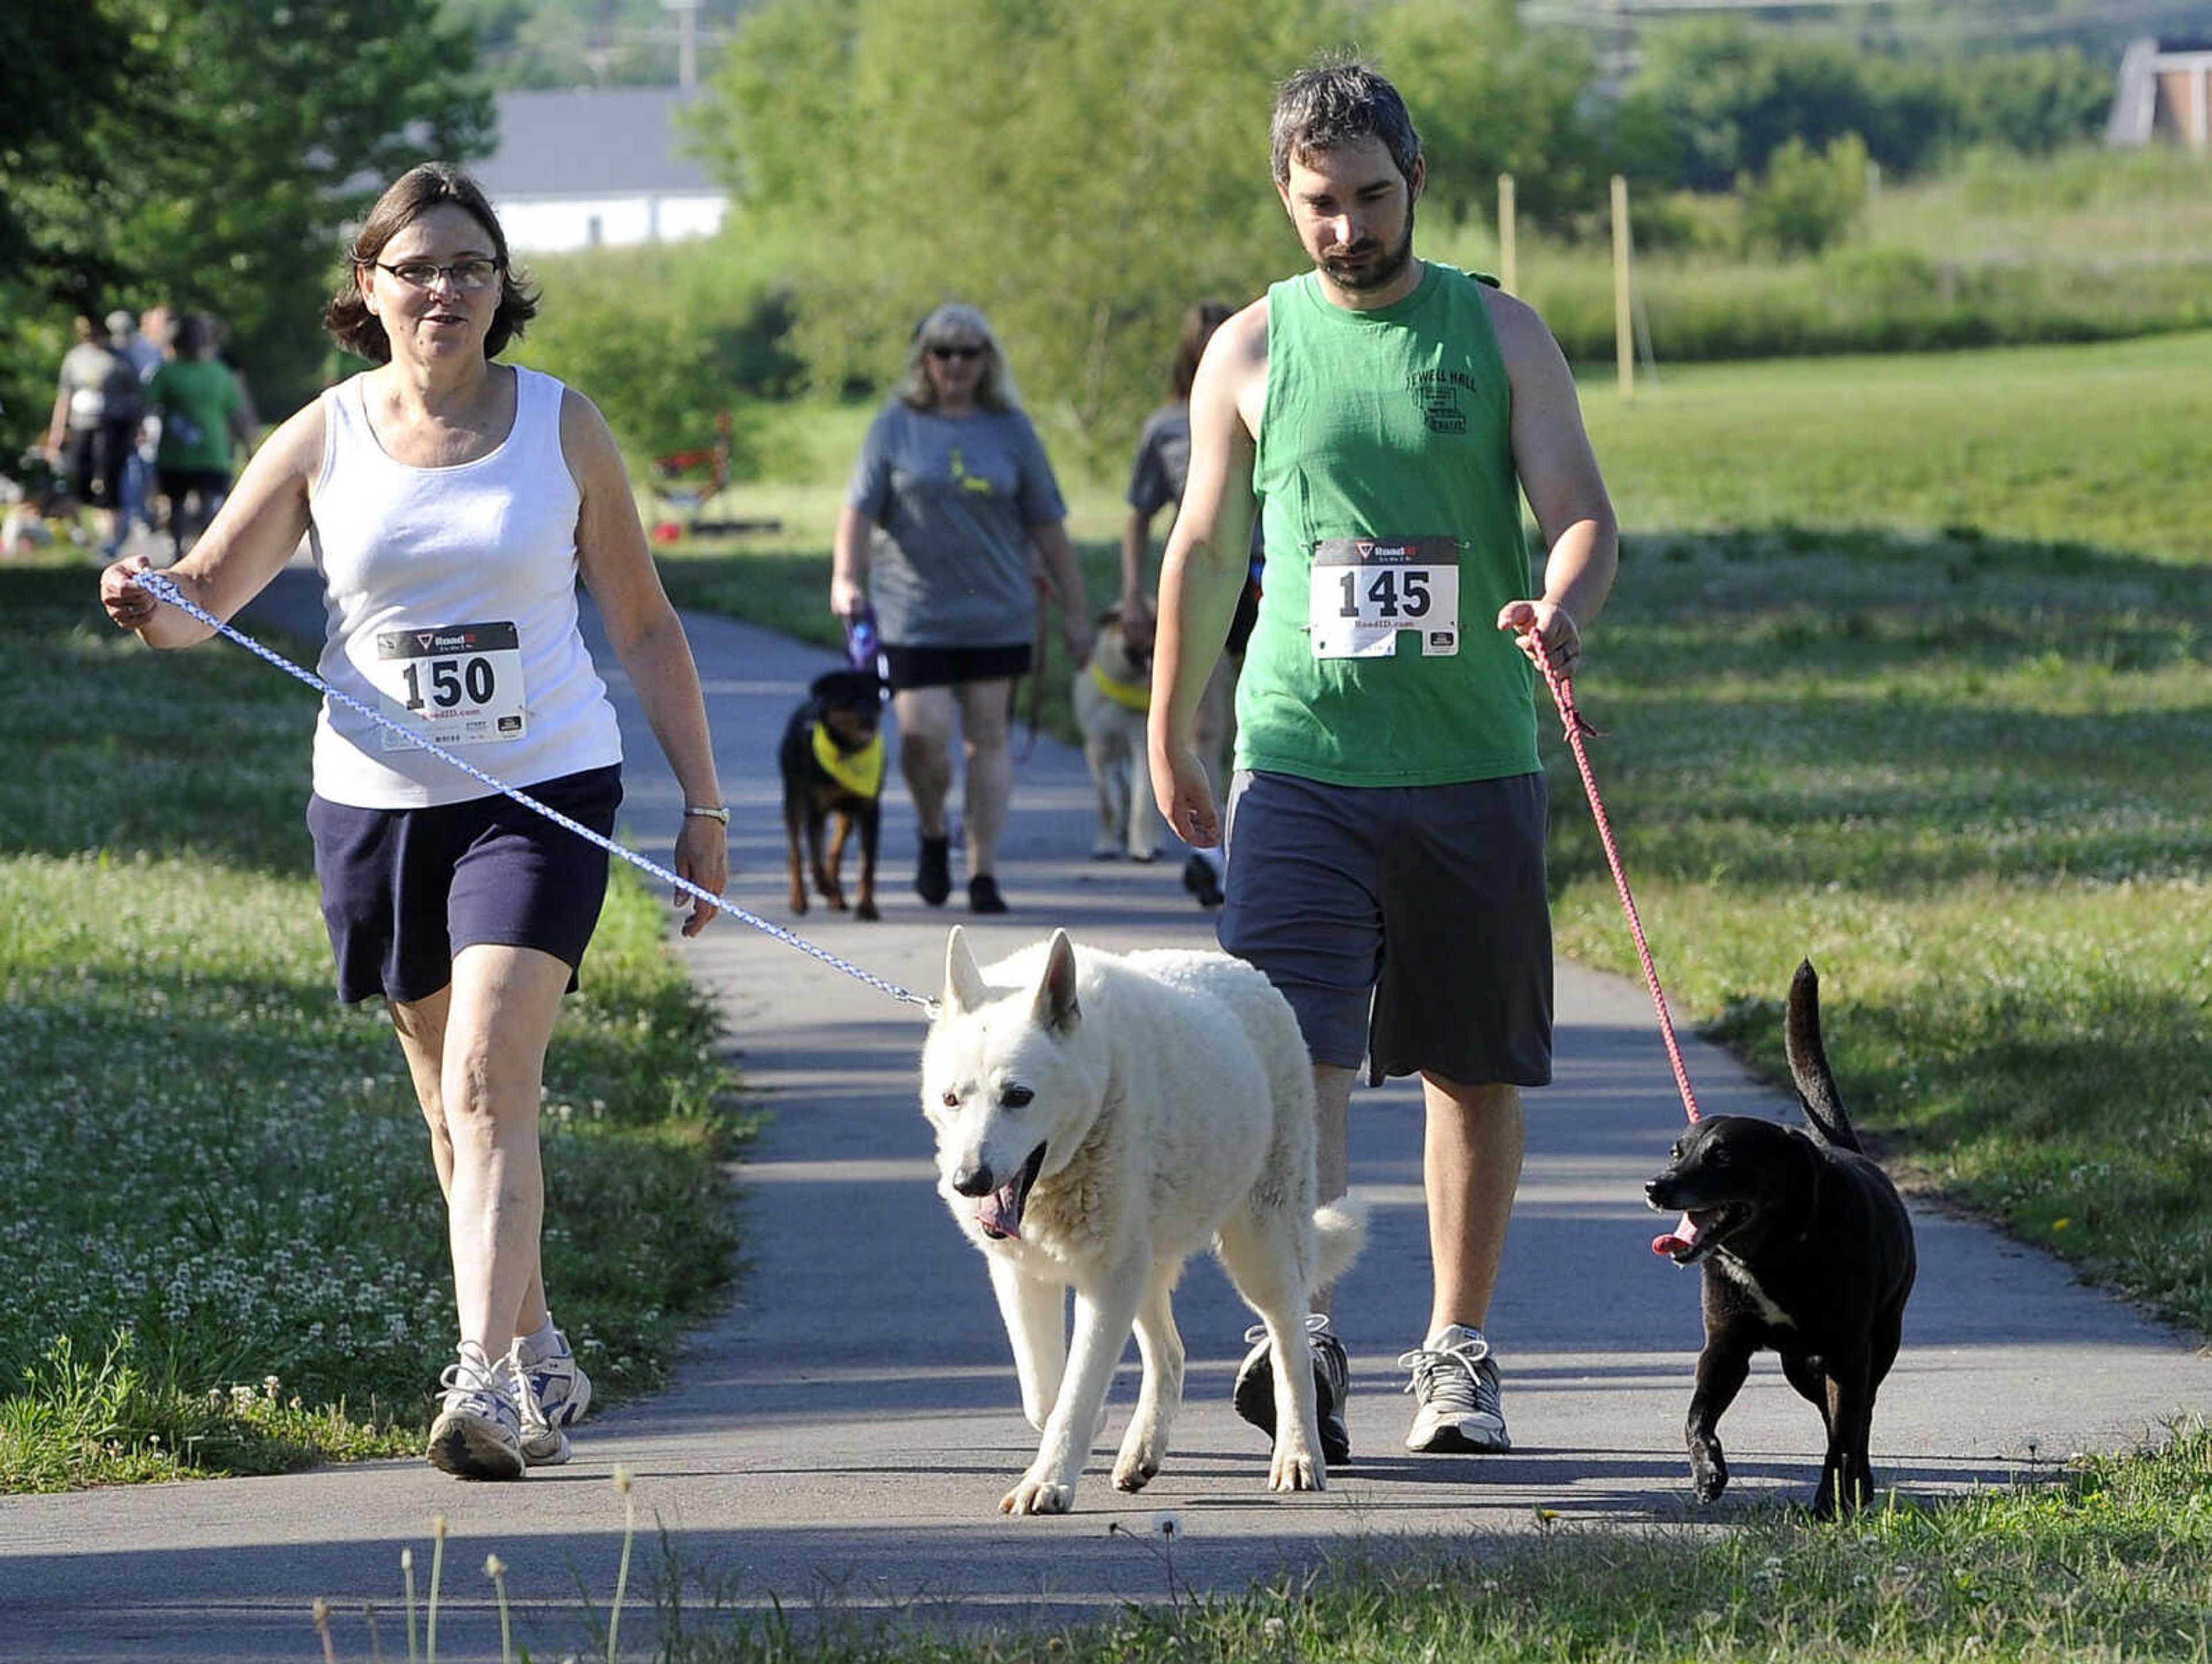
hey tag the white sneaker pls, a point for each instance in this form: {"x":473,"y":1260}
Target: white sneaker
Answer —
{"x":1455,"y":1388}
{"x":479,"y":1432}
{"x":553,"y":1392}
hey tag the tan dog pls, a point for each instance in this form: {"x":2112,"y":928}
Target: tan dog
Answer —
{"x":1112,"y":695}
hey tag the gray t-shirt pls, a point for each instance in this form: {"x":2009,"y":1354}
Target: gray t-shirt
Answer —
{"x":1162,"y":465}
{"x":953,"y":498}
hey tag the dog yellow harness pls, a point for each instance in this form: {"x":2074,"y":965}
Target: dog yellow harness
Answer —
{"x":860,"y":772}
{"x":1131,"y":695}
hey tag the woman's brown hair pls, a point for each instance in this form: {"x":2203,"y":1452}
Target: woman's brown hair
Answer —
{"x":409,"y":196}
{"x":1199,"y":325}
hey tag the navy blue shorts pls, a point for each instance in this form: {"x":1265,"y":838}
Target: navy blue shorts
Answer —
{"x":1407,"y":925}
{"x":406,"y":889}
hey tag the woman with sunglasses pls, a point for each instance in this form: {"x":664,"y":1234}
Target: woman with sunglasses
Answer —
{"x":952,"y":507}
{"x":451,"y":503}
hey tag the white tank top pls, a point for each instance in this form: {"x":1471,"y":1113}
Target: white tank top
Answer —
{"x":451,"y":594}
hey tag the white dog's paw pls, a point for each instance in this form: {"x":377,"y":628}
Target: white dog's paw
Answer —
{"x":1035,"y":1496}
{"x":1135,"y":1472}
{"x":1297,"y":1471}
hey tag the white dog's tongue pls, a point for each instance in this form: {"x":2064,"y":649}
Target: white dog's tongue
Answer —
{"x":1685,"y":1235}
{"x":1001,"y":1210}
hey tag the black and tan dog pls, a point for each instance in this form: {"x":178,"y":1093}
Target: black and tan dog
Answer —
{"x":832,"y":760}
{"x":1806,"y":1247}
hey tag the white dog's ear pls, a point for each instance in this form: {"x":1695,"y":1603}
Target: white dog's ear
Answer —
{"x":1055,"y":998}
{"x":963,"y":983}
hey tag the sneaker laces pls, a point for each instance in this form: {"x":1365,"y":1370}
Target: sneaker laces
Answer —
{"x":472,"y":1375}
{"x":533,"y":1415}
{"x":1461,"y":1376}
{"x":1316,"y":1323}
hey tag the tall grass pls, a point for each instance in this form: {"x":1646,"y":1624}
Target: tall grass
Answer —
{"x":223,"y":1244}
{"x":2088,"y":244}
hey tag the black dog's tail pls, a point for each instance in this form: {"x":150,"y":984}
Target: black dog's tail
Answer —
{"x":1808,"y":1064}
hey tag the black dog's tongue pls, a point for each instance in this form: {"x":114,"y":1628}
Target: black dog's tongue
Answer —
{"x":1000,"y":1213}
{"x":1678,"y":1242}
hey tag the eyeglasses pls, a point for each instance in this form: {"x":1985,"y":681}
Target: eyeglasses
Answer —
{"x":963,"y":353}
{"x":467,"y":276}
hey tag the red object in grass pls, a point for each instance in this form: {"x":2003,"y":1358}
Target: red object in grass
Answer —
{"x":667,"y":531}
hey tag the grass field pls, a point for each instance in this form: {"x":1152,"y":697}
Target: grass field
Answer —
{"x":222,"y":1242}
{"x":1909,"y":668}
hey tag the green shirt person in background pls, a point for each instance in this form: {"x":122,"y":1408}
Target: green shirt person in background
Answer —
{"x":1386,"y":816}
{"x":202,"y":410}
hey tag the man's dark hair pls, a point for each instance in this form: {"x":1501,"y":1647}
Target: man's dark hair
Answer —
{"x":1333,"y":105}
{"x":408,"y":197}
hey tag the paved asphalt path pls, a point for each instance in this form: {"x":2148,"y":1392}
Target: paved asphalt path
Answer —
{"x":844,"y":1432}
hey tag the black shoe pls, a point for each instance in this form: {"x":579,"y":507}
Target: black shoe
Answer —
{"x":933,"y":873}
{"x":1254,"y":1395}
{"x":983,"y":894}
{"x":1198,"y":878}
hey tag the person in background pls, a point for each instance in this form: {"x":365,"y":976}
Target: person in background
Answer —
{"x":94,"y":426}
{"x":454,"y":502}
{"x":204,"y":414}
{"x":143,"y":357}
{"x":1388,"y":815}
{"x":1156,"y":481}
{"x":952,"y":505}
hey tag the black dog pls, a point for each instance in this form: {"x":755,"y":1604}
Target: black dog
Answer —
{"x":832,"y":759}
{"x":1807,"y":1248}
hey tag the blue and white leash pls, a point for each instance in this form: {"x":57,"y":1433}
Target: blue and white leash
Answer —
{"x":164,"y":589}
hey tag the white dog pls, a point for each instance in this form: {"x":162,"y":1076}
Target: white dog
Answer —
{"x":1100,"y":1118}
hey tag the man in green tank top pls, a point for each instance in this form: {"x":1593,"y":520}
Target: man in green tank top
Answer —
{"x":1384,"y":415}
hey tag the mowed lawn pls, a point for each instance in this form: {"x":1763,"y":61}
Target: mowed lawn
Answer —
{"x":1909,"y":670}
{"x":222,"y":1242}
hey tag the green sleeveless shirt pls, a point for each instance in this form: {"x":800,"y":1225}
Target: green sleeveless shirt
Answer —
{"x":1385,"y":457}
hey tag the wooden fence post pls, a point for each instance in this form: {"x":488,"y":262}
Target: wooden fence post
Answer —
{"x":1624,"y":321}
{"x":1508,"y":261}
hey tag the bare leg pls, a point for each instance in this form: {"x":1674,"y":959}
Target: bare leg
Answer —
{"x":1332,"y":1155}
{"x":1471,"y":1168}
{"x":498,"y":1017}
{"x":987,"y":753}
{"x":421,"y":1029}
{"x":924,"y":727}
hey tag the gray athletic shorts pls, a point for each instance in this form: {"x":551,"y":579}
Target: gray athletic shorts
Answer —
{"x":1407,"y":925}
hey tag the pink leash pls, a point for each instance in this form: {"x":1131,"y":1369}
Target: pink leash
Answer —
{"x":1563,"y":695}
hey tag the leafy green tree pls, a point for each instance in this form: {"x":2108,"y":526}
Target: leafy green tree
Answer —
{"x":1492,"y":97}
{"x":1807,"y":201}
{"x":1083,"y":170}
{"x":221,"y":174}
{"x":71,"y":67}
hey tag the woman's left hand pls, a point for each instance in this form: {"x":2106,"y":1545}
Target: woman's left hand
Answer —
{"x":702,"y":857}
{"x":1076,"y":632}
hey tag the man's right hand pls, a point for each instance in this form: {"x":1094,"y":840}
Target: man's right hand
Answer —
{"x":1185,"y":795}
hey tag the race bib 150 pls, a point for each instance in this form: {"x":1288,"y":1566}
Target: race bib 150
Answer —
{"x":461,"y":684}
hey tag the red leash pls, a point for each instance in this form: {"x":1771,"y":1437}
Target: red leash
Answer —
{"x":1563,"y":695}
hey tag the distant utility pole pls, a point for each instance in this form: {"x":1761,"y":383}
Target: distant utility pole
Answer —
{"x":687,"y":39}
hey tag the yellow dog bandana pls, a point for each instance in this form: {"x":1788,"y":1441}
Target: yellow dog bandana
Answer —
{"x":861,"y":772}
{"x":1131,"y":695}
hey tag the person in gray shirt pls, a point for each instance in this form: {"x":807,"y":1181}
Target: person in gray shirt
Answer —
{"x":952,"y":507}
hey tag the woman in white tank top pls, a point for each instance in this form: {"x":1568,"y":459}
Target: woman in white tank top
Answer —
{"x":451,"y":502}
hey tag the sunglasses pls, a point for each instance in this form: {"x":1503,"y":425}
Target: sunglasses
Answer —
{"x":949,"y":354}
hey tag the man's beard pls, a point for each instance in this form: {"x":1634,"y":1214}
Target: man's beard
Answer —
{"x":1380,"y":274}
